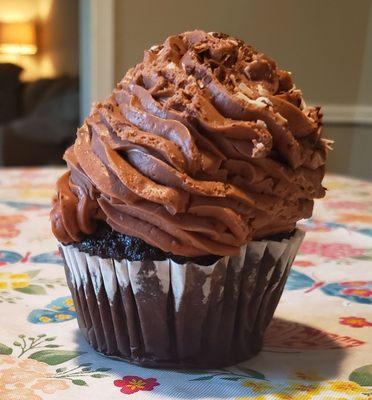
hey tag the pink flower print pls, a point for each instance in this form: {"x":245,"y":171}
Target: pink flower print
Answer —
{"x":309,"y":247}
{"x":356,"y":205}
{"x":133,"y":384}
{"x":331,"y":250}
{"x":354,"y":283}
{"x":340,"y":250}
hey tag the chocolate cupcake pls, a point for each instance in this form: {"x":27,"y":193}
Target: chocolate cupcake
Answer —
{"x":177,"y":216}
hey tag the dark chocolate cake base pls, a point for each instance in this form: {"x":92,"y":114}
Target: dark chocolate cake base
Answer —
{"x":107,"y":243}
{"x":164,"y":314}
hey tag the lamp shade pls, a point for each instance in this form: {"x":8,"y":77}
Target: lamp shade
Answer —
{"x":18,"y":38}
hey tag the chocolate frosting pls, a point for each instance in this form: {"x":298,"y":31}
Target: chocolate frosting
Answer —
{"x":202,"y":147}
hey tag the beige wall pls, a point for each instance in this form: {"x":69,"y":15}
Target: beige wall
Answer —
{"x":352,"y":154}
{"x":327,"y":44}
{"x":323,"y":42}
{"x":58,"y":37}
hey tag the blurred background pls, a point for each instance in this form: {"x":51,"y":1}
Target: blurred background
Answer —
{"x":58,"y":56}
{"x":39,"y":85}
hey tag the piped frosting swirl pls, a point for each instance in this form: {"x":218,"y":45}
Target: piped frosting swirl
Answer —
{"x":202,"y":147}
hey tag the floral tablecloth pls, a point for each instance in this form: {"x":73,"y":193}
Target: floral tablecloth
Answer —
{"x":319,"y":345}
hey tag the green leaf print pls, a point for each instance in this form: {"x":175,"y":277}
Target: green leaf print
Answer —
{"x":32,"y":289}
{"x":362,"y":375}
{"x":363,"y":258}
{"x":203,"y":378}
{"x":5,"y":350}
{"x":251,"y":372}
{"x":54,"y":357}
{"x":79,"y":382}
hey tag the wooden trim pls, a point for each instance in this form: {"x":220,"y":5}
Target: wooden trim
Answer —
{"x":102,"y":48}
{"x":347,"y":114}
{"x":96,"y":52}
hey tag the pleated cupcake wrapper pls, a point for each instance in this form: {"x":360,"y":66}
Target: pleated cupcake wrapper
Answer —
{"x":164,"y":314}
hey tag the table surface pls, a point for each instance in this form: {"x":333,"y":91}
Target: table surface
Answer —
{"x":319,"y":345}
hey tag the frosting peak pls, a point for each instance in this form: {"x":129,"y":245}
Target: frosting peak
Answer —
{"x":203,"y":146}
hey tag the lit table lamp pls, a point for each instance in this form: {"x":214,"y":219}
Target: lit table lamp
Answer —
{"x":18,"y":38}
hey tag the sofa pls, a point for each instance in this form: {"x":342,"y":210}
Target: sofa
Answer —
{"x":38,"y":119}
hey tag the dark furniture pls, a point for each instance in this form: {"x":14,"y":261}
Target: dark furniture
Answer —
{"x":38,"y":119}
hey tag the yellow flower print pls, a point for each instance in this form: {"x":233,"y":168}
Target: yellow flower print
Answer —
{"x":69,"y":302}
{"x":63,"y":317}
{"x":303,"y":391}
{"x":20,"y":284}
{"x":50,"y":386}
{"x":296,"y":391}
{"x":257,"y":386}
{"x":55,"y":308}
{"x":346,"y":387}
{"x":14,"y":281}
{"x":73,"y":309}
{"x":19,"y":276}
{"x":283,"y":396}
{"x":251,"y":398}
{"x":299,"y":387}
{"x":346,"y":398}
{"x":332,"y":398}
{"x":45,"y":319}
{"x":294,"y":396}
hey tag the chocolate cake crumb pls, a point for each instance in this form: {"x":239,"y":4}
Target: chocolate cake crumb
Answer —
{"x":107,"y":243}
